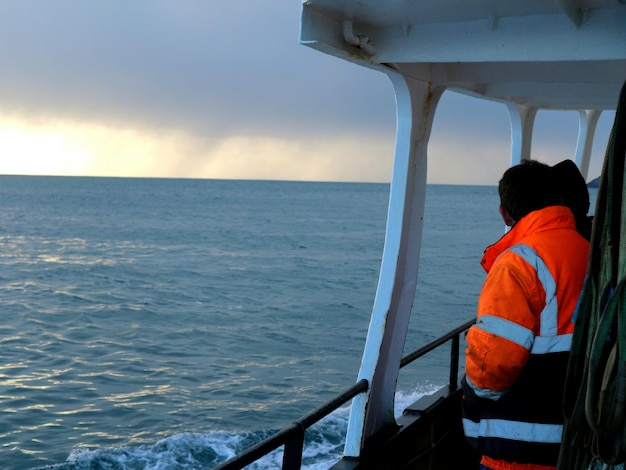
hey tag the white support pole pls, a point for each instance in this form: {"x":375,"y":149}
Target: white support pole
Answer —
{"x":587,"y":122}
{"x":522,"y":122}
{"x":374,"y":410}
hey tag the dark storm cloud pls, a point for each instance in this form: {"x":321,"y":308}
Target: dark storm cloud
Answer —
{"x":203,"y":66}
{"x":216,"y":68}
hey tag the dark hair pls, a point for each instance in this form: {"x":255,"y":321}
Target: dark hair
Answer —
{"x":574,"y":194}
{"x":527,"y":187}
{"x":572,"y":186}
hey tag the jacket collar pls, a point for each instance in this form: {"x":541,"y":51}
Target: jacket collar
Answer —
{"x":553,"y":216}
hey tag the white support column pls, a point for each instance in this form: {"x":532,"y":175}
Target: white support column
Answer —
{"x":522,"y":122}
{"x":374,"y":410}
{"x":587,"y":122}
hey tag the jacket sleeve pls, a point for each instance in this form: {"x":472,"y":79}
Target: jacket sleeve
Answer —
{"x":499,"y":345}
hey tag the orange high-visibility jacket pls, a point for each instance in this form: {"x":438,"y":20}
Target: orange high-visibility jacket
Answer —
{"x":517,"y":352}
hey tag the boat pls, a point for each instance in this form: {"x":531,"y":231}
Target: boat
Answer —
{"x":533,"y":55}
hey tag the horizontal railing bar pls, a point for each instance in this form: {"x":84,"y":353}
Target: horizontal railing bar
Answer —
{"x":334,"y":403}
{"x":278,"y":439}
{"x":435,"y":344}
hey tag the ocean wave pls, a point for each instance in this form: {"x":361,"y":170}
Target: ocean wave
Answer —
{"x":189,"y":451}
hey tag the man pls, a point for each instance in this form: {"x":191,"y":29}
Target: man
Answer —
{"x":517,"y":352}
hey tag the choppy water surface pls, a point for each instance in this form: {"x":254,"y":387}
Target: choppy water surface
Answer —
{"x":154,"y":323}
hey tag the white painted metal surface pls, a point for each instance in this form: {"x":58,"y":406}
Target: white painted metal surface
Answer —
{"x":530,"y":55}
{"x":545,"y":53}
{"x":398,"y":273}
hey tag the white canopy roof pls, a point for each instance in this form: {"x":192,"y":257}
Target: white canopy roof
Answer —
{"x":558,"y":54}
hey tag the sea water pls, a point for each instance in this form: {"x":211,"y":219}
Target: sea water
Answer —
{"x":169,"y":324}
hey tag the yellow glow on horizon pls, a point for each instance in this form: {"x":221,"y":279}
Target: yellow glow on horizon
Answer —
{"x":76,"y":149}
{"x":39,"y":147}
{"x":70,"y":149}
{"x":39,"y":150}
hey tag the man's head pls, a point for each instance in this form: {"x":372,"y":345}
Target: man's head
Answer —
{"x":526,"y":187}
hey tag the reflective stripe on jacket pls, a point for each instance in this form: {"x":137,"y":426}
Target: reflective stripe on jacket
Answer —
{"x":518,"y":350}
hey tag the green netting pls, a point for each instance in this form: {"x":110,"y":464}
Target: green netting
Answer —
{"x":595,"y":396}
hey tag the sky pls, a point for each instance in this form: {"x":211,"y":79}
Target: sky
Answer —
{"x":222,"y":89}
